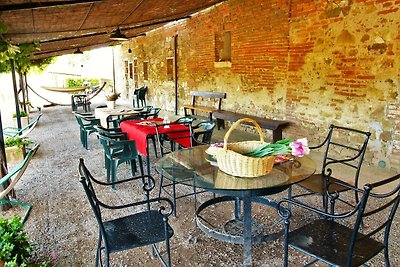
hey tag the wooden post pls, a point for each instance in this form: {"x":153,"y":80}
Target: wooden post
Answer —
{"x":15,"y":94}
{"x":176,"y":72}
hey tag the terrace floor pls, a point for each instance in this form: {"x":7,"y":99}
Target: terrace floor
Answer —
{"x":62,"y":224}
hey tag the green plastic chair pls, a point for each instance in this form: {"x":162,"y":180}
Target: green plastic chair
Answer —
{"x":11,"y":179}
{"x":118,"y":152}
{"x":86,"y":125}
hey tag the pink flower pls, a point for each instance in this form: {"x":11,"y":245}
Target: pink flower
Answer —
{"x":53,"y":256}
{"x":300,"y":147}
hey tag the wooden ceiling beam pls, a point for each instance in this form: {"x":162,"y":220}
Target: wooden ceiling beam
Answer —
{"x":36,"y":5}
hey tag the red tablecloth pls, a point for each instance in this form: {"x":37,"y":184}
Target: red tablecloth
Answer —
{"x":139,"y":132}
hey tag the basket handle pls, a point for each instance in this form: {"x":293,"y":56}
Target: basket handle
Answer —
{"x":228,"y":133}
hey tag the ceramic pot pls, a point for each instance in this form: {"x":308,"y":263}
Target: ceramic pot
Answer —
{"x":111,"y":104}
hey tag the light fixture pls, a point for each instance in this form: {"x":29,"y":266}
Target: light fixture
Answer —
{"x":78,"y":51}
{"x":117,"y":35}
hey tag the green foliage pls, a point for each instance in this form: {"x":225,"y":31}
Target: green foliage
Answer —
{"x":22,"y":55}
{"x":16,"y":141}
{"x":72,"y":82}
{"x":279,"y":147}
{"x":113,"y":97}
{"x":21,"y":114}
{"x":14,"y":244}
{"x":15,"y":249}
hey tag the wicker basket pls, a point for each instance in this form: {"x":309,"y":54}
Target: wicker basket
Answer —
{"x":231,"y":160}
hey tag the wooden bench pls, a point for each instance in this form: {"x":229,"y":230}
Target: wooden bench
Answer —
{"x":275,"y":125}
{"x":206,"y":109}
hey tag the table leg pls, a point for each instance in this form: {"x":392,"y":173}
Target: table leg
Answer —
{"x":237,"y":209}
{"x":247,"y":235}
{"x":148,"y":163}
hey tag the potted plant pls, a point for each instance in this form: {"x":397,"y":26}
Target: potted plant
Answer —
{"x":111,"y":100}
{"x":15,"y":148}
{"x":15,"y":249}
{"x":24,"y":118}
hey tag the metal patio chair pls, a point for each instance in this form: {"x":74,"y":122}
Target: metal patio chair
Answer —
{"x":173,"y":138}
{"x":147,"y":225}
{"x":339,"y":238}
{"x":348,"y":156}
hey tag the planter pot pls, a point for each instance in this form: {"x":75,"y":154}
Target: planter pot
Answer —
{"x":111,"y":104}
{"x":15,"y":154}
{"x":24,"y":122}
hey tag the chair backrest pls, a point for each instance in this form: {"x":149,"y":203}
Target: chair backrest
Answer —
{"x":132,"y":117}
{"x":153,"y":113}
{"x":377,"y":210}
{"x":84,"y":120}
{"x":113,"y":133}
{"x":344,"y":146}
{"x":126,"y":149}
{"x":86,"y":179}
{"x":202,"y":132}
{"x":182,"y":136}
{"x":11,"y":179}
{"x":186,"y":119}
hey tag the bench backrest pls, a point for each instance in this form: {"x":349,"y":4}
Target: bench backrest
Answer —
{"x":206,"y":94}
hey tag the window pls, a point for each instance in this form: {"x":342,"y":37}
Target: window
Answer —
{"x":126,"y":69}
{"x":170,"y":69}
{"x":223,"y":46}
{"x":130,"y":70}
{"x":136,"y":73}
{"x":146,"y":70}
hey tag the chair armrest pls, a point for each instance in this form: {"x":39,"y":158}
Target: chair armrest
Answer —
{"x":285,"y":212}
{"x":161,"y":209}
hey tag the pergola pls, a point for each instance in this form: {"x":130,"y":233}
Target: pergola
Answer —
{"x":63,"y":27}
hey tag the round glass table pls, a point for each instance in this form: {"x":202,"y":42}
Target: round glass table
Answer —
{"x":194,"y":167}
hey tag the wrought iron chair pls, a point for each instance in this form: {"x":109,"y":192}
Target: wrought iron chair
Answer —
{"x":338,"y":238}
{"x":118,"y":152}
{"x":344,"y":154}
{"x":172,"y":138}
{"x":202,"y":132}
{"x":86,"y":126}
{"x":148,"y":226}
{"x":8,"y":182}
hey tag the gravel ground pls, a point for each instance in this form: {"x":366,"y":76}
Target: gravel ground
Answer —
{"x":63,"y":227}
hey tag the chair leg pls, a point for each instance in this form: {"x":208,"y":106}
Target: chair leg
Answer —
{"x":174,"y":197}
{"x":133,"y":167}
{"x":140,"y":165}
{"x":98,"y":253}
{"x":161,"y":184}
{"x":113,"y":171}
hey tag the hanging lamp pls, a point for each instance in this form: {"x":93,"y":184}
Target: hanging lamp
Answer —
{"x":78,"y":51}
{"x":117,"y":35}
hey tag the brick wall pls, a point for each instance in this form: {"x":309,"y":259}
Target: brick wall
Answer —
{"x":309,"y":61}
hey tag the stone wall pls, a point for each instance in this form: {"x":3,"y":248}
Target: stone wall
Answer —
{"x":311,"y":62}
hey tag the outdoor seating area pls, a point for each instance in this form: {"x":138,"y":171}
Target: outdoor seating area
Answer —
{"x":192,"y":241}
{"x":221,"y":133}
